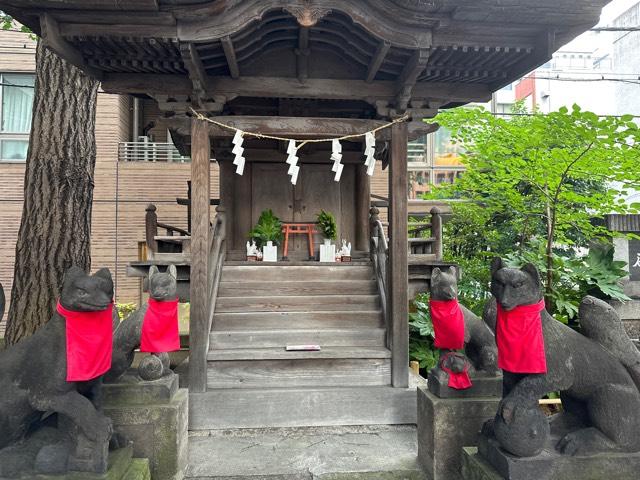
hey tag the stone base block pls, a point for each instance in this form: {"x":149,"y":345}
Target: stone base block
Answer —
{"x":549,"y":465}
{"x":154,"y":416}
{"x":445,"y":425}
{"x":482,"y":385}
{"x":122,"y":466}
{"x":474,"y":467}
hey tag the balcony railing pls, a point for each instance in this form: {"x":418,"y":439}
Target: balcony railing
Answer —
{"x":149,"y":152}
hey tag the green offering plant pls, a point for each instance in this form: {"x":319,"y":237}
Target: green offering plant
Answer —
{"x":327,"y":225}
{"x":268,"y":229}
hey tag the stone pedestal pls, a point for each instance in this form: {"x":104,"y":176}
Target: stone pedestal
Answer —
{"x":445,"y":425}
{"x":490,"y":462}
{"x":122,"y":466}
{"x":482,"y":385}
{"x":154,"y":416}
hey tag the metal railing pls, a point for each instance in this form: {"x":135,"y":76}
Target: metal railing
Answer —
{"x":150,"y":152}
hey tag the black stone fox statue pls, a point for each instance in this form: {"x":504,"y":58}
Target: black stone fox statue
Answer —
{"x":33,"y":380}
{"x":597,"y":374}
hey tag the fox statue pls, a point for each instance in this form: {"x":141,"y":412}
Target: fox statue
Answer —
{"x":479,"y":344}
{"x":34,"y":380}
{"x":597,"y":373}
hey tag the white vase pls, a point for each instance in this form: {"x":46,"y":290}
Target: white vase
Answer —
{"x":327,"y":252}
{"x":270,"y":252}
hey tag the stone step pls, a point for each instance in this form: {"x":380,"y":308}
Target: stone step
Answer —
{"x":292,"y":273}
{"x":303,"y":406}
{"x":293,"y":288}
{"x":308,"y":303}
{"x":284,"y":320}
{"x":325,"y":337}
{"x":331,"y":453}
{"x":253,"y":354}
{"x":276,"y":368}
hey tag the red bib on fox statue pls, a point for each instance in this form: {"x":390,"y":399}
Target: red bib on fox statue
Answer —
{"x":89,"y":343}
{"x":160,"y":327}
{"x":457,"y":380}
{"x":520,"y":340}
{"x":448,"y":324}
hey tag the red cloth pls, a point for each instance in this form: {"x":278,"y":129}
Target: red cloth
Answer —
{"x":520,"y":340}
{"x":89,"y":343}
{"x":448,"y":324}
{"x":160,"y":327}
{"x":457,"y":380}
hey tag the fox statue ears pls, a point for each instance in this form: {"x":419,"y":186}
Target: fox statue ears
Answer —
{"x":74,"y":272}
{"x":532,"y":271}
{"x":171,"y":270}
{"x":436,"y":272}
{"x":103,"y":273}
{"x":529,"y":268}
{"x":496,"y":264}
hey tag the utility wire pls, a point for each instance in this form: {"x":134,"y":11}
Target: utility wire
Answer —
{"x":615,"y":29}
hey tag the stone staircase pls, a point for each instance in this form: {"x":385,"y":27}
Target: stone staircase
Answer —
{"x":253,"y":382}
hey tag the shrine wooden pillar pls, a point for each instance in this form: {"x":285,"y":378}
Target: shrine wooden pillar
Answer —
{"x":199,"y":276}
{"x":398,"y":256}
{"x":363,"y":201}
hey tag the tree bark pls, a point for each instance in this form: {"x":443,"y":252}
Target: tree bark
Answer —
{"x":58,"y":192}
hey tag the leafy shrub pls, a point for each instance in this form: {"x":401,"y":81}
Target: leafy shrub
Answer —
{"x":125,"y":309}
{"x":421,"y":335}
{"x":327,"y":225}
{"x":268,"y":229}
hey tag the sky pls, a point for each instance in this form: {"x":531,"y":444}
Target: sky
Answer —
{"x":591,"y":40}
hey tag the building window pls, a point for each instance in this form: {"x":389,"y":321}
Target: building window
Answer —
{"x":16,"y":102}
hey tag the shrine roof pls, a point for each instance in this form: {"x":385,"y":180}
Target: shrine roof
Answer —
{"x":390,"y":54}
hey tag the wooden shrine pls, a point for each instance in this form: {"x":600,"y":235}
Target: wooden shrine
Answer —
{"x":301,"y":69}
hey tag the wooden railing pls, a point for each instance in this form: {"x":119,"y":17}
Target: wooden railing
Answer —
{"x":379,"y":252}
{"x":217,"y":254}
{"x":425,"y":234}
{"x":152,"y":225}
{"x":424,"y":228}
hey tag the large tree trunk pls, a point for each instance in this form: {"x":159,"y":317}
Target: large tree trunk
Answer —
{"x":58,"y":192}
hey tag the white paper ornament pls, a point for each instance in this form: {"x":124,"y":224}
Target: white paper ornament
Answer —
{"x":294,"y":175}
{"x":240,"y":166}
{"x":336,"y":164}
{"x":371,"y":168}
{"x":338,"y":172}
{"x":237,"y":149}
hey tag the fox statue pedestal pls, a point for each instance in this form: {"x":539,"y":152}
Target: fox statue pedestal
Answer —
{"x":154,"y":415}
{"x":490,"y":462}
{"x":451,"y":418}
{"x":445,"y":425}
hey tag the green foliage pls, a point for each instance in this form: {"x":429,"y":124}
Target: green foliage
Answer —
{"x":125,"y":309}
{"x":596,"y":273}
{"x":268,"y":228}
{"x":532,"y":188}
{"x":327,"y":225}
{"x":421,"y":335}
{"x":8,"y":23}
